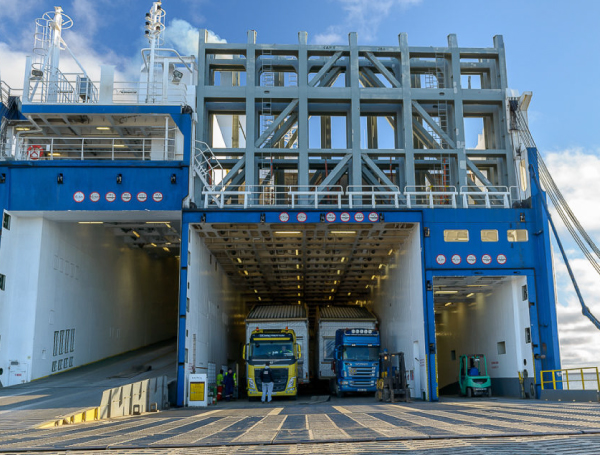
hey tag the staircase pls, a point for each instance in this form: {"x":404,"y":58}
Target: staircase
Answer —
{"x":206,"y":165}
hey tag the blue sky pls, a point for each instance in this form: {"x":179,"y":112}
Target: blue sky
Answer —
{"x":551,"y":49}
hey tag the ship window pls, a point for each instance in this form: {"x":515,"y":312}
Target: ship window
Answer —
{"x":56,"y":336}
{"x":502,"y":347}
{"x":489,"y":235}
{"x":517,"y":235}
{"x":456,"y":235}
{"x":6,"y":221}
{"x":2,"y":281}
{"x":328,"y":348}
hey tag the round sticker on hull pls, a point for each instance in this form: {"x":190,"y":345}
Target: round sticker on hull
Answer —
{"x":126,"y":196}
{"x":456,"y":259}
{"x":110,"y":197}
{"x":284,"y":217}
{"x":486,"y":259}
{"x":95,"y":196}
{"x":471,"y":259}
{"x":373,"y":217}
{"x":345,"y":217}
{"x":330,"y":217}
{"x":359,"y":217}
{"x":301,"y":217}
{"x":142,"y":197}
{"x":501,"y":259}
{"x":79,"y":197}
{"x":440,"y":259}
{"x":157,"y":197}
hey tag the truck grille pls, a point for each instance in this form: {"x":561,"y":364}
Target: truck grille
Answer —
{"x":280,"y":378}
{"x":362,"y":383}
{"x":363,"y":372}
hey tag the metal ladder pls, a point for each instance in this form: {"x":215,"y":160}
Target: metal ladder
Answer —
{"x":206,"y":164}
{"x":442,"y":116}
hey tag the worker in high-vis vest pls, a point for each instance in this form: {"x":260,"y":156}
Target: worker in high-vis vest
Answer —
{"x":220,"y":386}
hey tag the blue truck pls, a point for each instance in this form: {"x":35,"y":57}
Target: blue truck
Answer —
{"x":356,"y":360}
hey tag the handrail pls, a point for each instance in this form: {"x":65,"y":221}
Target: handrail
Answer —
{"x":489,"y":194}
{"x":578,"y":377}
{"x":374,"y":192}
{"x":429,"y":192}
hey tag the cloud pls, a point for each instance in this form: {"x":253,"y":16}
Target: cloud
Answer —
{"x":362,"y":16}
{"x":183,"y":37}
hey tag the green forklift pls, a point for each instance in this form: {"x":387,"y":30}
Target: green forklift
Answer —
{"x":473,"y":376}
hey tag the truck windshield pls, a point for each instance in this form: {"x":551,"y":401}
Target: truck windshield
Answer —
{"x":370,"y":353}
{"x":269,"y":350}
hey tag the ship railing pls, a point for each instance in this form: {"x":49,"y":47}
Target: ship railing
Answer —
{"x":486,"y":196}
{"x":155,"y":93}
{"x":373,"y":196}
{"x":95,"y":148}
{"x":425,"y":196}
{"x":4,"y":93}
{"x":585,"y":378}
{"x":68,"y":88}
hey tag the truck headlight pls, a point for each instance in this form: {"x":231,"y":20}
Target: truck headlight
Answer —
{"x":251,"y":384}
{"x":344,"y":382}
{"x":291,"y":382}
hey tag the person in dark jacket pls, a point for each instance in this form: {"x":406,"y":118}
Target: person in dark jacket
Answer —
{"x":229,"y":384}
{"x":266,"y":377}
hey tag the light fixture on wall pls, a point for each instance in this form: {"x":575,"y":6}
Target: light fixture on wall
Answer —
{"x":173,"y":179}
{"x":59,"y":179}
{"x":119,"y":179}
{"x":177,"y":75}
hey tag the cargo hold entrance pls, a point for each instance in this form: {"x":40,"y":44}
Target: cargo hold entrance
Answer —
{"x":90,"y":286}
{"x":234,"y":266}
{"x":486,"y":315}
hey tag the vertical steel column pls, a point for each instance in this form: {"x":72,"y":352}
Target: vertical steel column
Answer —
{"x":459,"y":124}
{"x":355,"y":171}
{"x":409,"y":152}
{"x":252,"y":124}
{"x":303,"y":169}
{"x":201,"y":114}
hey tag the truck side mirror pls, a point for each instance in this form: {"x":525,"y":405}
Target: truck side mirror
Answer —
{"x":299,"y":352}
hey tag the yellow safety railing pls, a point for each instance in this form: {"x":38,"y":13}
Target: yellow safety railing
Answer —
{"x":572,"y":377}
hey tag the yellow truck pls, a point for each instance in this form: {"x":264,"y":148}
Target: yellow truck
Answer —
{"x":280,"y":349}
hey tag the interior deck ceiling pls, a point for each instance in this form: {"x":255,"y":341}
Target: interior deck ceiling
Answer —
{"x":314,"y":263}
{"x":456,"y":289}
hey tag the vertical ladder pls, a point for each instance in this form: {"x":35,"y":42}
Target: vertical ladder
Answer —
{"x":268,"y":76}
{"x":442,"y":115}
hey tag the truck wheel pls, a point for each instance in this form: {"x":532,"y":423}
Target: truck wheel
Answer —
{"x":489,"y":392}
{"x":338,"y":392}
{"x":469,"y":392}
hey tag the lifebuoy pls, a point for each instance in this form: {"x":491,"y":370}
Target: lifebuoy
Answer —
{"x":35,"y":152}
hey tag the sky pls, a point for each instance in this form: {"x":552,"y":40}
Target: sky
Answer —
{"x":551,"y":50}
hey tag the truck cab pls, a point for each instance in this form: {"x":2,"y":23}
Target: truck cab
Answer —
{"x":356,"y":360}
{"x":279,"y":347}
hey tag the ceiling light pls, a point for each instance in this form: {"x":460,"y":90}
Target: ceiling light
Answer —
{"x":471,"y":294}
{"x":299,"y":287}
{"x":156,"y":222}
{"x":332,"y":290}
{"x":90,"y":222}
{"x":380,"y":266}
{"x":153,"y":244}
{"x":255,"y":291}
{"x":287,"y":232}
{"x":298,"y":266}
{"x":166,"y":249}
{"x":446,"y":292}
{"x":373,"y":277}
{"x":22,"y":128}
{"x":448,"y":304}
{"x":259,"y":298}
{"x":349,"y":293}
{"x":476,"y":285}
{"x":298,"y":277}
{"x":239,"y":260}
{"x":296,"y":252}
{"x":119,"y":145}
{"x":330,"y":297}
{"x":103,"y":128}
{"x":343,"y":259}
{"x":367,"y":286}
{"x":339,"y":272}
{"x":245,"y":272}
{"x":136,"y":234}
{"x":299,"y":294}
{"x":390,"y":252}
{"x":342,"y":232}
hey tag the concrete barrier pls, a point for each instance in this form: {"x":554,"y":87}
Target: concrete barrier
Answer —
{"x":129,"y":399}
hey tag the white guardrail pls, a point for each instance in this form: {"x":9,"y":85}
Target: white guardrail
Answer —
{"x":356,"y":196}
{"x":95,"y":148}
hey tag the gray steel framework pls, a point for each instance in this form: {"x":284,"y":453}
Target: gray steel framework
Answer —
{"x":318,"y":116}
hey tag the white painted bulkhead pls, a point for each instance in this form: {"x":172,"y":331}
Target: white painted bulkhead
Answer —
{"x":63,"y":277}
{"x":494,"y":324}
{"x":398,"y":305}
{"x":215,"y":316}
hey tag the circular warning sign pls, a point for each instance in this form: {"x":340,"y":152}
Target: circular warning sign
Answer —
{"x":486,"y":259}
{"x":110,"y":197}
{"x":359,"y":217}
{"x":142,"y":197}
{"x":95,"y":196}
{"x":501,"y":259}
{"x":79,"y":197}
{"x":330,"y":217}
{"x":345,"y":217}
{"x":373,"y":217}
{"x":455,"y":259}
{"x":157,"y":197}
{"x":471,"y":259}
{"x":440,"y":259}
{"x":301,"y":217}
{"x":126,"y":196}
{"x":284,"y":217}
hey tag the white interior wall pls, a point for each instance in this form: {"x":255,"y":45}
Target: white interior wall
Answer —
{"x":398,"y":305}
{"x":476,"y":328}
{"x":65,"y":276}
{"x":216,"y":312}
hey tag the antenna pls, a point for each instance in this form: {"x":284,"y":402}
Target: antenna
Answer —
{"x":155,"y":25}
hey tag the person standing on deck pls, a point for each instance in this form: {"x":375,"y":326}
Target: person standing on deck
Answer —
{"x":266,"y":377}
